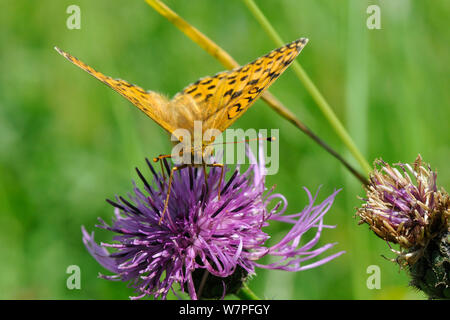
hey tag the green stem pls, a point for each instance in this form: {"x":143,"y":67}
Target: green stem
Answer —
{"x":312,"y":89}
{"x":246,"y":294}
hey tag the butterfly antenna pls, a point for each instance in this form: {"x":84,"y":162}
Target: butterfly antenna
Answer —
{"x":270,"y":139}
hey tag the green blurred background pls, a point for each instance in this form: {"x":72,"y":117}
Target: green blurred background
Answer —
{"x":67,"y":142}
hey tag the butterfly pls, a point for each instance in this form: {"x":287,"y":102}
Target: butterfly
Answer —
{"x":217,"y":101}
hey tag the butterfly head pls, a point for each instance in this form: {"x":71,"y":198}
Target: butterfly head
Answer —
{"x":202,"y":151}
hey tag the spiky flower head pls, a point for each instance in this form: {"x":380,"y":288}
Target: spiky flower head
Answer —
{"x":206,"y":245}
{"x":404,"y":206}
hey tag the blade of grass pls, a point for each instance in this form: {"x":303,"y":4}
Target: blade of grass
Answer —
{"x":226,"y":60}
{"x":311,"y":88}
{"x":357,"y":87}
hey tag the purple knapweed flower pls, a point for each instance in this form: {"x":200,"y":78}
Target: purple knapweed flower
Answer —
{"x":404,"y":210}
{"x":203,"y":241}
{"x":404,"y":206}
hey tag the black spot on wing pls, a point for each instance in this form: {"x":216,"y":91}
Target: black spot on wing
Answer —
{"x":191,"y":90}
{"x":287,"y":62}
{"x":209,"y":95}
{"x":273,"y":75}
{"x":255,"y":90}
{"x":236,"y":94}
{"x":207,"y":81}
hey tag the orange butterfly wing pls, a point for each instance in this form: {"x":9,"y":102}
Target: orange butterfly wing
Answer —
{"x":217,"y":101}
{"x":151,"y":103}
{"x":224,"y":97}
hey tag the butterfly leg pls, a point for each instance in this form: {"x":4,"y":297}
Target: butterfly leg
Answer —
{"x":218,"y":165}
{"x":160,"y":159}
{"x":205,"y":173}
{"x":166,"y":203}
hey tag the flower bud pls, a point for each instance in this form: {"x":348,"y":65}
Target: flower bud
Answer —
{"x":404,"y":206}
